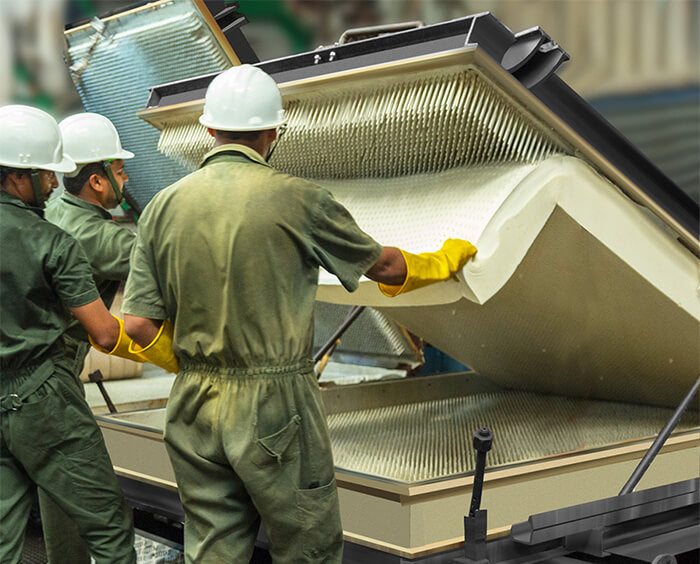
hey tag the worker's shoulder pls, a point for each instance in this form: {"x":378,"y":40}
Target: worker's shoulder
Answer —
{"x":163,"y":195}
{"x":71,"y":218}
{"x":55,"y":208}
{"x":295,"y":185}
{"x":41,"y":233}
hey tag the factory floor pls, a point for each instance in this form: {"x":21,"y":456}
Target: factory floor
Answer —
{"x":34,"y":551}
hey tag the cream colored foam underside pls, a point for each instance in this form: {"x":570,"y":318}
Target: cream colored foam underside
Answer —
{"x":575,"y":290}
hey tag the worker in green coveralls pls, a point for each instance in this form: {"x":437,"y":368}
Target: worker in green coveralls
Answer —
{"x":48,"y":435}
{"x":231,"y":255}
{"x":95,"y":187}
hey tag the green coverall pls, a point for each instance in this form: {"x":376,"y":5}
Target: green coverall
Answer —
{"x":107,"y":246}
{"x":230,"y":254}
{"x":48,"y":435}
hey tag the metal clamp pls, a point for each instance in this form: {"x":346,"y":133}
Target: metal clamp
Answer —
{"x":11,"y":402}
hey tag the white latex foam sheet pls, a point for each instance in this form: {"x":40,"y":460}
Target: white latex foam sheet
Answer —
{"x":502,"y":208}
{"x":575,"y":289}
{"x":418,"y":213}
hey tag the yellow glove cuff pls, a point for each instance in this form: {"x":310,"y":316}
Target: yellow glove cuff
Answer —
{"x":123,"y":346}
{"x":429,"y":268}
{"x":394,"y":290}
{"x":160,"y":350}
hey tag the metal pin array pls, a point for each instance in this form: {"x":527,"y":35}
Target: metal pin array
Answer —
{"x":433,"y":439}
{"x":425,"y":124}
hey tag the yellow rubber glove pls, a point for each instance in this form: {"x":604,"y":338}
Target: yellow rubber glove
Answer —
{"x":123,"y":346}
{"x":160,"y":350}
{"x":428,"y":268}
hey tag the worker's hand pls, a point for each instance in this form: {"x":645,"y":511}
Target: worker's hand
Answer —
{"x":160,"y":350}
{"x":122,"y":348}
{"x":428,"y":268}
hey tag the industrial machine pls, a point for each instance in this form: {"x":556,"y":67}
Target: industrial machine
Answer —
{"x":578,"y":316}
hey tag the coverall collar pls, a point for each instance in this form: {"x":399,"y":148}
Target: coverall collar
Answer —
{"x":250,"y":154}
{"x":76,"y":201}
{"x":6,"y":198}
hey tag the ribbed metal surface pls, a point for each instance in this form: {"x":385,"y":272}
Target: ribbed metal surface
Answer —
{"x":371,"y":336}
{"x":113,"y":74}
{"x":428,"y":123}
{"x":433,"y":439}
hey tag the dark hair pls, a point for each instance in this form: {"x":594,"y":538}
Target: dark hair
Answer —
{"x":6,"y":171}
{"x":74,"y":185}
{"x":234,"y":136}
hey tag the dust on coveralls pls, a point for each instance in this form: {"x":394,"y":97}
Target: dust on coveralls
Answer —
{"x":230,"y":254}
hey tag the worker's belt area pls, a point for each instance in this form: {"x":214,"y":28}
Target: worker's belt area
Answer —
{"x":247,"y":372}
{"x":38,"y":374}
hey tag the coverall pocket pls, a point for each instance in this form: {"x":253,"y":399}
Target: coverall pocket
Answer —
{"x":278,"y":448}
{"x":41,"y":421}
{"x":322,"y":533}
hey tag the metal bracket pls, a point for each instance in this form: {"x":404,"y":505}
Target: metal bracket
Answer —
{"x":230,"y":20}
{"x":533,"y":57}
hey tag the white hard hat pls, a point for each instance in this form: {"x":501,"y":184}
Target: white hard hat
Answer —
{"x":30,"y":138}
{"x":243,"y":98}
{"x":91,"y":138}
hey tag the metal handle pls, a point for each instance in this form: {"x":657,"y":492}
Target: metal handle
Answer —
{"x":354,"y":313}
{"x":357,"y":33}
{"x":659,"y":442}
{"x":483,"y":440}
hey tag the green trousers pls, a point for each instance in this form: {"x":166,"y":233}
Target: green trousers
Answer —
{"x":61,"y":535}
{"x":248,"y":444}
{"x":51,"y":440}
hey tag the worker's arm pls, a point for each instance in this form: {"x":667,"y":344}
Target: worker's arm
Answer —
{"x":152,"y":340}
{"x":99,"y":323}
{"x":390,"y":268}
{"x":141,"y":329}
{"x":406,"y":272}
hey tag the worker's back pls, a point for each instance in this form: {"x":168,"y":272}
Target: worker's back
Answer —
{"x":235,"y":248}
{"x":43,"y":271}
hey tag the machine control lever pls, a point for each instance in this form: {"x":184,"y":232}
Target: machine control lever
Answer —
{"x":96,"y":377}
{"x":475,"y":522}
{"x":483,"y":441}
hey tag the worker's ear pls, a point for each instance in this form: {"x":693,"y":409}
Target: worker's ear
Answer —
{"x":96,"y":182}
{"x":211,"y":132}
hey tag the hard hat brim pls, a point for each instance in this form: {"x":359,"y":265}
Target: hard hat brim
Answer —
{"x":232,"y":127}
{"x":65,"y":165}
{"x":123,"y":154}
